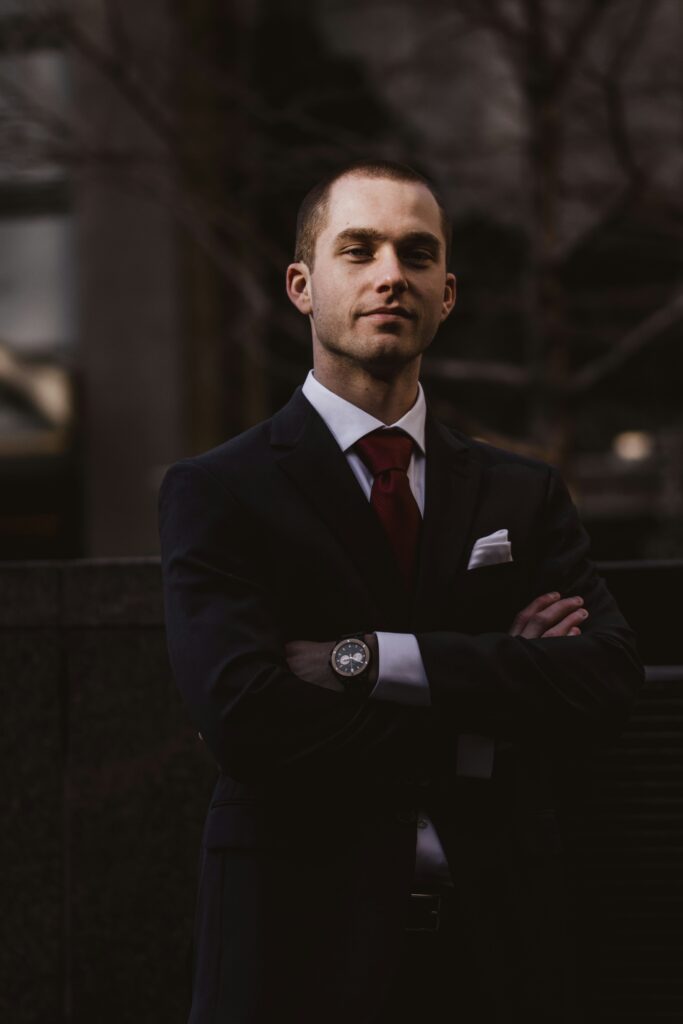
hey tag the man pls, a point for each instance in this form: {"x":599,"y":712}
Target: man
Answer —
{"x":392,"y":642}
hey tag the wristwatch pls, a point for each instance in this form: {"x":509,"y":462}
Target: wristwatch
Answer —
{"x":350,"y":660}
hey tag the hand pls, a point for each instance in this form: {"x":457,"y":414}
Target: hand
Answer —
{"x":550,"y":615}
{"x":310,"y":661}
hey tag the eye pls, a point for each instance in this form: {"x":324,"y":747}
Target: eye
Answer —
{"x":419,"y":256}
{"x":358,"y":251}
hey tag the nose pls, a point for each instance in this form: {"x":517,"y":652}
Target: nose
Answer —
{"x":389,"y":271}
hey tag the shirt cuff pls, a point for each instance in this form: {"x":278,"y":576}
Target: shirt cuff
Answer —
{"x":402,"y":677}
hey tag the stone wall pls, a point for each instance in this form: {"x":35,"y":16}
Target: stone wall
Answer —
{"x":108,"y":785}
{"x":108,"y":789}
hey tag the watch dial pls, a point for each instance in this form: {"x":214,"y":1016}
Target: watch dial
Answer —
{"x":350,"y":658}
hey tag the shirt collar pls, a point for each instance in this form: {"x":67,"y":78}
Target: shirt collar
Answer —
{"x":347,"y":423}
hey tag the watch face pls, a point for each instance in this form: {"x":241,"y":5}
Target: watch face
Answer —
{"x":350,"y":657}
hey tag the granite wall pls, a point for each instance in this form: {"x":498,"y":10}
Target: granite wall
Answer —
{"x":108,"y":787}
{"x":108,"y":783}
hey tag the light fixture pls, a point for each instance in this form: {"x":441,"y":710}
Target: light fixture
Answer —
{"x":633,"y":445}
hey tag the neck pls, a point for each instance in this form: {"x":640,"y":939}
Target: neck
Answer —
{"x":385,"y":399}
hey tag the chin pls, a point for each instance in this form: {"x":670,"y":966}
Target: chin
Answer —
{"x":387,"y":361}
{"x":393,"y":347}
{"x":382,"y":355}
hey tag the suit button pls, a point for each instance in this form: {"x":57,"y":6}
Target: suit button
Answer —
{"x":407,"y":817}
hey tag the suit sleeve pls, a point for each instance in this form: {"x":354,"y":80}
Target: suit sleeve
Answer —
{"x":227,"y":654}
{"x":546,"y":689}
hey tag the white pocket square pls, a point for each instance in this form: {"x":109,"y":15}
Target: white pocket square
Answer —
{"x":491,"y":550}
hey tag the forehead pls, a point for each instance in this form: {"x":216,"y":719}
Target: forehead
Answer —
{"x":392,"y":207}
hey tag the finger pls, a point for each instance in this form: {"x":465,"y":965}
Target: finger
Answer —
{"x":546,"y":615}
{"x":537,"y":605}
{"x":570,"y":622}
{"x":545,"y":619}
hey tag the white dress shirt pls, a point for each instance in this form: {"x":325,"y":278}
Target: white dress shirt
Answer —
{"x":402,"y":676}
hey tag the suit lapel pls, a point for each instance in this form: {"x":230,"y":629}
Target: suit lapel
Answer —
{"x":306,"y":450}
{"x":451,"y":492}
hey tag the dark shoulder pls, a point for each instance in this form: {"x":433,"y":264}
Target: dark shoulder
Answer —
{"x":516,"y":480}
{"x":232,"y":462}
{"x":490,"y":456}
{"x":238,"y":452}
{"x":245,"y":458}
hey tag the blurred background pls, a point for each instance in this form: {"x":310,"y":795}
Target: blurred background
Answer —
{"x":152,"y":157}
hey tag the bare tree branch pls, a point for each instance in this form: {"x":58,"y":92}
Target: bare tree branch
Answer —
{"x":488,"y":14}
{"x":35,"y":107}
{"x":511,"y":376}
{"x":633,"y":37}
{"x":649,"y":330}
{"x":121,"y":43}
{"x":293,"y":115}
{"x":230,"y":262}
{"x":578,"y":39}
{"x":220,"y":227}
{"x":475,"y":370}
{"x":453,"y":413}
{"x":612,"y":213}
{"x":610,"y":81}
{"x":129,"y":82}
{"x":619,"y":133}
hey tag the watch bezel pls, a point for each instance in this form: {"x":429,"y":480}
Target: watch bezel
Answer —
{"x":349,"y":677}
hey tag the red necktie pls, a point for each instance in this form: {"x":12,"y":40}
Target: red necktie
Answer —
{"x":387,"y":454}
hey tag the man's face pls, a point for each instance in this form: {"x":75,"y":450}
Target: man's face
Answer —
{"x":379,"y":287}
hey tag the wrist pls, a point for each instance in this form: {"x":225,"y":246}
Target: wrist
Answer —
{"x":373,"y":671}
{"x":353,"y":660}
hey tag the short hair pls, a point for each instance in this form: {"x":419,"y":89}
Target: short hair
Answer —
{"x":313,"y":209}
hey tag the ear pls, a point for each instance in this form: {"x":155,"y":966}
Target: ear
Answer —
{"x":448,"y":296}
{"x":298,"y":287}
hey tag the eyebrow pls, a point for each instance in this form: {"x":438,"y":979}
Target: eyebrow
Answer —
{"x":372,"y":235}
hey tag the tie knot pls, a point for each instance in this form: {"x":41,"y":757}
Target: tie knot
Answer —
{"x":382,"y":450}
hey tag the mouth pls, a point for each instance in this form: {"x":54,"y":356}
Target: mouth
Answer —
{"x":390,"y":313}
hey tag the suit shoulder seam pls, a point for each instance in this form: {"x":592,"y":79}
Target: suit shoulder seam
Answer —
{"x":193,"y":464}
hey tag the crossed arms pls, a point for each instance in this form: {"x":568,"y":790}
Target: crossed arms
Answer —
{"x":547,"y":616}
{"x":262,"y":720}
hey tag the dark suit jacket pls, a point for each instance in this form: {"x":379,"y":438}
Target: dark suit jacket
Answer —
{"x":309,"y":845}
